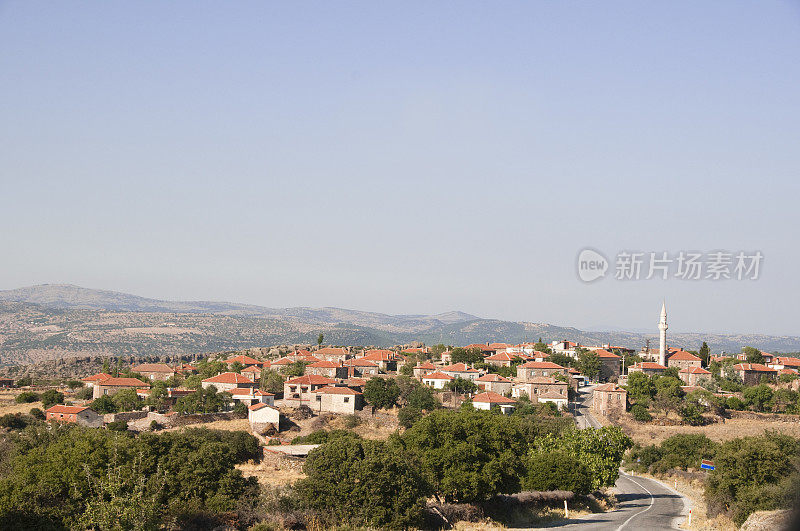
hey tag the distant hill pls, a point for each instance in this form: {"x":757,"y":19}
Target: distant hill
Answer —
{"x":57,"y":321}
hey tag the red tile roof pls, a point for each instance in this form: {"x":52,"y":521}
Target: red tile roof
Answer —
{"x":65,"y":410}
{"x":123,"y":382}
{"x":331,"y":390}
{"x":380,"y":355}
{"x":540,"y":365}
{"x":458,"y":367}
{"x":788,"y":362}
{"x":787,"y":370}
{"x":695,"y":370}
{"x":490,"y":397}
{"x":331,"y":351}
{"x":649,"y":365}
{"x":601,"y":353}
{"x":96,"y":377}
{"x":427,"y":365}
{"x":253,"y":369}
{"x":552,"y":394}
{"x":610,"y":388}
{"x":491,"y":377}
{"x":437,"y":376}
{"x":503,"y":356}
{"x":325,"y":364}
{"x":683,"y":355}
{"x":311,"y":379}
{"x":257,"y":406}
{"x":752,"y":367}
{"x":153,"y":367}
{"x":244,"y":360}
{"x":229,"y":378}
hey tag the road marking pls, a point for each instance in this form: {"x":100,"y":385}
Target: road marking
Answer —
{"x":652,"y":500}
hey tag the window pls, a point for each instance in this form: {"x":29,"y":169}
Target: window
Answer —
{"x":319,"y":398}
{"x":346,"y":399}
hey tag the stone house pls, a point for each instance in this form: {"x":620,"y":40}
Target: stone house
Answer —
{"x":361,"y":367}
{"x":535,"y":369}
{"x":540,"y":385}
{"x":328,"y":369}
{"x":647,"y":367}
{"x":489,"y":398}
{"x":332,"y":354}
{"x":261,"y":416}
{"x":561,"y":401}
{"x":609,"y":399}
{"x":228,"y":381}
{"x":610,"y":365}
{"x":752,"y":373}
{"x":694,"y":375}
{"x":494,"y":383}
{"x":437,"y":379}
{"x":109,"y":386}
{"x":243,"y":360}
{"x":89,"y":381}
{"x":301,"y":390}
{"x":683,"y":360}
{"x":502,"y":359}
{"x":461,"y":370}
{"x":423,"y":368}
{"x":335,"y":399}
{"x":155,"y":371}
{"x":75,"y":414}
{"x":386,"y":360}
{"x":250,"y":396}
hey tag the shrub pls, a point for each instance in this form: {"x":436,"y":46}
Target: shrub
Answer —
{"x":734,"y":402}
{"x":84,"y":393}
{"x":25,"y":381}
{"x":322,"y":436}
{"x":351,"y":421}
{"x":640,"y":413}
{"x":26,"y":397}
{"x":155,"y":426}
{"x":37,"y":413}
{"x":52,"y":397}
{"x":13,"y":421}
{"x":408,"y":416}
{"x":103,"y":404}
{"x":556,"y":471}
{"x":117,"y":425}
{"x":381,"y":392}
{"x":360,"y":482}
{"x":691,"y":415}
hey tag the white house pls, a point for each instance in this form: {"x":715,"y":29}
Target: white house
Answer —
{"x":261,"y":415}
{"x":437,"y":379}
{"x":489,"y":398}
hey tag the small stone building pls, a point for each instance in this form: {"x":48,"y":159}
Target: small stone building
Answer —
{"x":609,"y":399}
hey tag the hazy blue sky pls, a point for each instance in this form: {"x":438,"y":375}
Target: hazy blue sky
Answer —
{"x":407,"y":158}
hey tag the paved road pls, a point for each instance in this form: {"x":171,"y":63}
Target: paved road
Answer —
{"x":643,"y":503}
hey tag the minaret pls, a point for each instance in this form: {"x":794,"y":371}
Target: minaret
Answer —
{"x":662,"y":342}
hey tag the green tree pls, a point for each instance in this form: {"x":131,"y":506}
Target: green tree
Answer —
{"x":236,"y":367}
{"x":320,"y":339}
{"x":461,"y":385}
{"x":640,"y":413}
{"x":206,"y":400}
{"x":381,"y":392}
{"x":295,"y":369}
{"x":588,"y":363}
{"x":466,"y":355}
{"x":557,"y":470}
{"x":37,"y":413}
{"x":103,"y":404}
{"x":758,"y":396}
{"x":641,"y":388}
{"x":668,"y":394}
{"x":753,"y":355}
{"x":127,"y":400}
{"x":272,"y":381}
{"x":422,"y":397}
{"x":541,"y":346}
{"x":704,"y":354}
{"x":559,"y":358}
{"x":52,"y":397}
{"x":26,"y":397}
{"x":753,"y":473}
{"x":408,"y":415}
{"x":360,"y":482}
{"x":469,"y":455}
{"x":600,"y":450}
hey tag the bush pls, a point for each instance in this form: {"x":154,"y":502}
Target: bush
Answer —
{"x":351,"y":421}
{"x":381,"y":392}
{"x":37,"y":413}
{"x":691,"y":415}
{"x":407,"y":416}
{"x":155,"y":426}
{"x":84,"y":393}
{"x":25,"y":381}
{"x":557,"y":470}
{"x":640,"y":413}
{"x":369,"y":483}
{"x":74,"y":384}
{"x":13,"y":421}
{"x":734,"y":402}
{"x":118,"y":425}
{"x":26,"y":397}
{"x":323,"y":436}
{"x":52,"y":397}
{"x":103,"y":404}
{"x":754,"y":473}
{"x":422,"y":397}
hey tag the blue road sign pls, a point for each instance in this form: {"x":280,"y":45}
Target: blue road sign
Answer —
{"x":707,"y":465}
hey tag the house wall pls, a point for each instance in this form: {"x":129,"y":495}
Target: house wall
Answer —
{"x":500,"y":388}
{"x":683,"y":364}
{"x":89,"y":418}
{"x":605,"y":402}
{"x":335,"y":403}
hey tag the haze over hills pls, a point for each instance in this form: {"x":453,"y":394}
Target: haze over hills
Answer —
{"x":52,"y":321}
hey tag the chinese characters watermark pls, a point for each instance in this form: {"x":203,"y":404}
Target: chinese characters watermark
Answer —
{"x":662,"y":265}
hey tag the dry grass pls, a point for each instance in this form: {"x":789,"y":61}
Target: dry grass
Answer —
{"x":226,"y":425}
{"x":646,"y":433}
{"x":7,"y":404}
{"x":270,"y":473}
{"x":368,"y":428}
